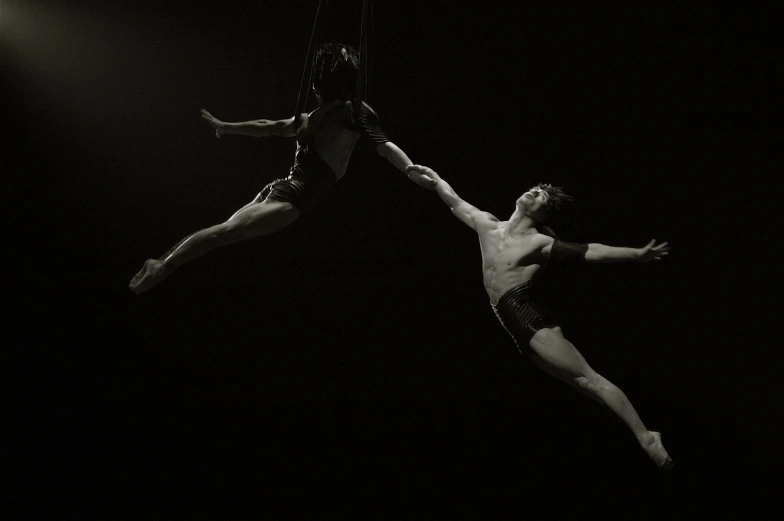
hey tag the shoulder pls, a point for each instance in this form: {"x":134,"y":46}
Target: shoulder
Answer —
{"x":309,"y":124}
{"x":489,"y":217}
{"x":366,"y":108}
{"x":543,"y":242}
{"x":368,"y":113}
{"x":301,"y":129}
{"x":485,"y":219}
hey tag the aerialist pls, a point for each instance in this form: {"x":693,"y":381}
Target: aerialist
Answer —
{"x":513,"y":253}
{"x":325,"y":138}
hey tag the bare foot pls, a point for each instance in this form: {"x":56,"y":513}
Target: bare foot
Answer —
{"x":151,"y":274}
{"x":653,"y":446}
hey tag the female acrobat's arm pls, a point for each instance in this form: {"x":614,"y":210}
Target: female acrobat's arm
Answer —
{"x":253,"y":128}
{"x":470,"y":215}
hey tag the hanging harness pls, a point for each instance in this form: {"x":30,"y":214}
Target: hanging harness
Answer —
{"x":361,"y":91}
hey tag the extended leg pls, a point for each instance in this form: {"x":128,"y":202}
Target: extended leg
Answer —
{"x":558,"y":357}
{"x":253,"y":220}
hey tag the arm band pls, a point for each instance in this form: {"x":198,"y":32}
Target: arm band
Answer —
{"x":568,"y":252}
{"x":369,"y":120}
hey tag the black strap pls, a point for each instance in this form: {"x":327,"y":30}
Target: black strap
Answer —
{"x":304,"y":86}
{"x":360,"y":93}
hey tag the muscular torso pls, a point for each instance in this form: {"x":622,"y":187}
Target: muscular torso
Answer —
{"x":508,"y":260}
{"x":327,"y":130}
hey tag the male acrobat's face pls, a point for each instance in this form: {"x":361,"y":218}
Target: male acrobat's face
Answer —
{"x":533,"y":201}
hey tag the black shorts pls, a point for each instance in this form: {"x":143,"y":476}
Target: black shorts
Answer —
{"x":521,"y":317}
{"x":308,"y":179}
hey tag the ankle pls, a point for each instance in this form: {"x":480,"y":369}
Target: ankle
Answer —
{"x":645,"y":438}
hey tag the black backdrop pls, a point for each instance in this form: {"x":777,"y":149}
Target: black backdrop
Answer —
{"x":351,"y":363}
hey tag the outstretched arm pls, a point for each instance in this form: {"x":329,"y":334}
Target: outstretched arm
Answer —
{"x":395,"y":155}
{"x":368,"y":119}
{"x":605,"y":254}
{"x":467,"y":213}
{"x":594,"y":252}
{"x":253,"y":128}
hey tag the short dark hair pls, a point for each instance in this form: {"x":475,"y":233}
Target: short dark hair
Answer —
{"x":555,"y":201}
{"x":334,"y":73}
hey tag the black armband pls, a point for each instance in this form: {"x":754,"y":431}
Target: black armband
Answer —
{"x":568,"y":252}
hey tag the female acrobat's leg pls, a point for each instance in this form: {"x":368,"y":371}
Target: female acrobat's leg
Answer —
{"x":253,"y":220}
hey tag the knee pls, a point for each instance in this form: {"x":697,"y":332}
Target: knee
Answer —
{"x":592,"y":383}
{"x":226,"y":233}
{"x":546,"y":336}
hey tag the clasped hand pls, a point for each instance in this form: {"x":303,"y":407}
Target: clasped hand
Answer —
{"x":218,"y":125}
{"x":423,"y":176}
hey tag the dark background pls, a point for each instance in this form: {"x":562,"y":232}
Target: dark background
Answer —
{"x":351,"y":364}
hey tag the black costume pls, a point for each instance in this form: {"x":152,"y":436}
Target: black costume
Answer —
{"x":520,"y":316}
{"x":311,"y":176}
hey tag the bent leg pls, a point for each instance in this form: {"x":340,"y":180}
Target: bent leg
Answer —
{"x":253,"y":220}
{"x":256,"y":200}
{"x":553,"y":353}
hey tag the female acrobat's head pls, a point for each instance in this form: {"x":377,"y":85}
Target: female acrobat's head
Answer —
{"x":335,"y":67}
